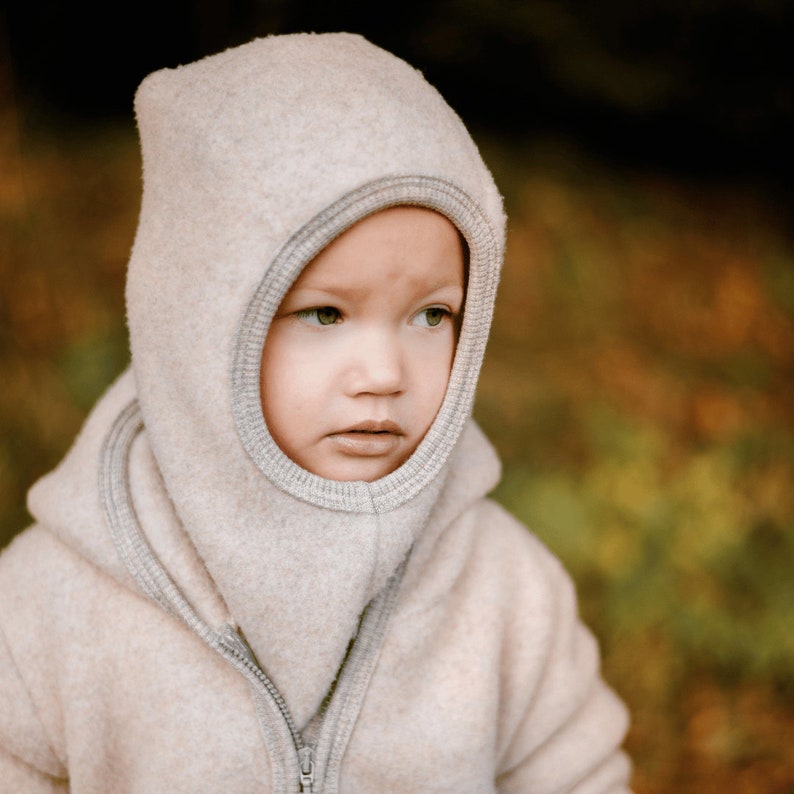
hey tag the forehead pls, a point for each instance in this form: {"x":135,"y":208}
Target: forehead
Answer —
{"x":396,"y":245}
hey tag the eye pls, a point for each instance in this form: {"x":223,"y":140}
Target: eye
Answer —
{"x":431,"y":317}
{"x":321,"y":315}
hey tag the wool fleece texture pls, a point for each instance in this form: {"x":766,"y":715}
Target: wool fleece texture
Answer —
{"x":194,"y":612}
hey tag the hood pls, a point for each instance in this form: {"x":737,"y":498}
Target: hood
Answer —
{"x":254,"y":160}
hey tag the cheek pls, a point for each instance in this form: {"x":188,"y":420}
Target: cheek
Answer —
{"x":289,"y":385}
{"x":433,"y":363}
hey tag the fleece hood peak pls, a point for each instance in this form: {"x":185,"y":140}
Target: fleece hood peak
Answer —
{"x":255,"y":159}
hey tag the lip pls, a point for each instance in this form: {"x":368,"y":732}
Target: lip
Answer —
{"x":368,"y":439}
{"x":373,"y":426}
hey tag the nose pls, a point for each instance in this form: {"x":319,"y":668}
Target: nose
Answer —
{"x":375,"y":364}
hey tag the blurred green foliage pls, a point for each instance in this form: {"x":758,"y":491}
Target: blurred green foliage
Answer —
{"x":638,"y":386}
{"x":67,"y":217}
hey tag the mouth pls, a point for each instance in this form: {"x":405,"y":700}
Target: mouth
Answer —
{"x":368,"y":439}
{"x":373,"y":427}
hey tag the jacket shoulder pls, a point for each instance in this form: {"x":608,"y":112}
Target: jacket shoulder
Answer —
{"x":34,"y":568}
{"x":25,"y":583}
{"x":500,"y":539}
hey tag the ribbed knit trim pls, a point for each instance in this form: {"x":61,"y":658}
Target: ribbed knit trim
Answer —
{"x":131,"y":544}
{"x":393,"y":490}
{"x":345,"y":706}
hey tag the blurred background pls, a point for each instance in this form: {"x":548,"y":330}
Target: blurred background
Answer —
{"x":639,"y":383}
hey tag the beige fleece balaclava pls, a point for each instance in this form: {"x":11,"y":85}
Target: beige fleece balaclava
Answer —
{"x":254,"y":159}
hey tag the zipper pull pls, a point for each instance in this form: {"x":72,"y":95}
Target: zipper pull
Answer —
{"x":306,"y":762}
{"x":234,"y":642}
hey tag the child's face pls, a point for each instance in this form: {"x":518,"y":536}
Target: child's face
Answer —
{"x":356,"y":362}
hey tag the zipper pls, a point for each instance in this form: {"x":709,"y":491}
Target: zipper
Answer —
{"x":153,"y":580}
{"x":306,"y":762}
{"x":305,"y":752}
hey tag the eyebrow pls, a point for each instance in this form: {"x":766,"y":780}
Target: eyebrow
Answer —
{"x":352,"y":291}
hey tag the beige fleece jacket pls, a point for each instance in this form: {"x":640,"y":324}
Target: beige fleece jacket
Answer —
{"x":195,"y":612}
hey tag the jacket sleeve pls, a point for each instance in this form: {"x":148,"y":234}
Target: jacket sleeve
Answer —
{"x":27,"y":761}
{"x":564,"y":727}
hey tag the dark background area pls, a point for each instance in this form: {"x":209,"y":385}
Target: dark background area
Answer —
{"x":694,"y":88}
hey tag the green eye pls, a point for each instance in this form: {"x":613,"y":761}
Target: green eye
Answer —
{"x":322,"y":315}
{"x":327,"y":315}
{"x":432,"y":316}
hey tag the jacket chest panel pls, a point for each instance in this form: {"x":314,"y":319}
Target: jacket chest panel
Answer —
{"x":147,"y":703}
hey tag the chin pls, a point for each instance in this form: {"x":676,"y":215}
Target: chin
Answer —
{"x":359,"y":471}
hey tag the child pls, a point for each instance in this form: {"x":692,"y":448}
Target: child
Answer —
{"x":268,"y":562}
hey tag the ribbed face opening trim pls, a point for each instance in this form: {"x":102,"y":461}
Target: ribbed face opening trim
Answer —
{"x":401,"y":485}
